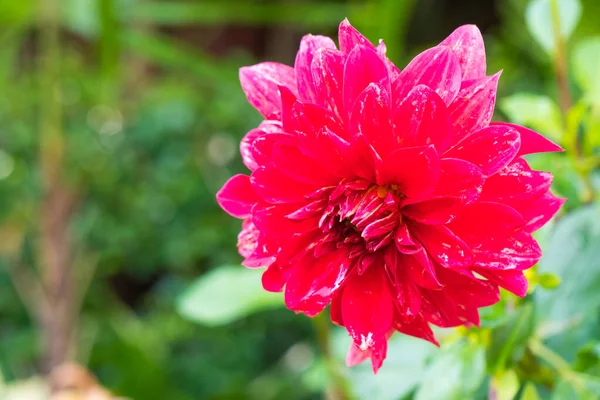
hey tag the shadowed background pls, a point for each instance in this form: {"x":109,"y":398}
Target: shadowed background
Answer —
{"x":119,"y":121}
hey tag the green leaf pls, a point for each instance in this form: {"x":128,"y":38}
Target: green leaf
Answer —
{"x":573,"y":255}
{"x":586,"y":64}
{"x":225,"y":295}
{"x":454,"y":374}
{"x":537,"y":111}
{"x":548,"y":281}
{"x":539,"y":18}
{"x":505,"y":385}
{"x":406,"y":358}
{"x":530,"y":392}
{"x":508,"y":341}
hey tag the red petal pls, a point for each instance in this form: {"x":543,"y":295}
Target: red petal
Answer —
{"x":237,"y":197}
{"x":414,"y":169}
{"x":443,"y":245}
{"x":358,"y":155}
{"x":404,"y":241}
{"x":517,"y":181}
{"x":482,"y":219}
{"x":418,"y":327}
{"x":363,"y":67}
{"x":349,"y":37}
{"x":436,"y":211}
{"x":491,"y":148}
{"x":335,"y":310}
{"x":468,"y":290}
{"x":275,"y":276}
{"x":459,"y":178}
{"x":473,"y":107}
{"x":292,"y":162}
{"x":262,"y":146}
{"x":260,"y":83}
{"x":537,"y":211}
{"x":328,"y":75}
{"x":517,"y":252}
{"x":371,"y":117}
{"x":422,"y":119}
{"x":418,"y":267}
{"x":368,"y":308}
{"x":275,"y":187}
{"x":246,"y":148}
{"x":531,"y":141}
{"x":467,"y":44}
{"x":513,"y":281}
{"x":313,"y":281}
{"x":304,"y":58}
{"x":437,"y":68}
{"x":446,"y":312}
{"x":408,"y":296}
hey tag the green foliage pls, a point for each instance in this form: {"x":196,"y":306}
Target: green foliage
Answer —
{"x":545,"y":16}
{"x":152,"y":117}
{"x":226,"y":294}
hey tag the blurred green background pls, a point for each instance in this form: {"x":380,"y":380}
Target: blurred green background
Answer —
{"x":119,"y":121}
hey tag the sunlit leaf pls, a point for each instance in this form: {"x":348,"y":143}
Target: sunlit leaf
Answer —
{"x":454,"y":374}
{"x":586,"y":64}
{"x":505,"y":385}
{"x":530,"y":392}
{"x":539,"y":18}
{"x":225,"y":295}
{"x":535,"y":111}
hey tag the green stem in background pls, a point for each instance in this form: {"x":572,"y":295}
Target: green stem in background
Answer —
{"x":561,"y":70}
{"x":338,"y":388}
{"x":555,"y":361}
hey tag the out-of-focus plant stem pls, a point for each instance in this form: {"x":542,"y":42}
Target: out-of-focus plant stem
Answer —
{"x":556,"y":362}
{"x":57,"y":201}
{"x":338,"y":387}
{"x":561,"y":70}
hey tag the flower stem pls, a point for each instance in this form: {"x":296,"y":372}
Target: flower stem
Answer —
{"x":561,"y":70}
{"x":338,"y":388}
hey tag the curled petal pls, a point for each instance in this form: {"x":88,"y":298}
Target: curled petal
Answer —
{"x":237,"y":196}
{"x":304,"y":58}
{"x":260,"y":83}
{"x":491,"y":148}
{"x":466,"y":42}
{"x":438,"y":68}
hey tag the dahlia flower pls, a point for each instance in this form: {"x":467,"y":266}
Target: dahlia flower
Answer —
{"x":387,"y":194}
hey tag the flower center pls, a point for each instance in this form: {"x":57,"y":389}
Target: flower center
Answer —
{"x":360,"y":213}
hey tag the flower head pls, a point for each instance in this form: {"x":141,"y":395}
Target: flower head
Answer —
{"x":387,"y":194}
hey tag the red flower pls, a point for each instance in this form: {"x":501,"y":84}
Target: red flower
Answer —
{"x":387,"y":193}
